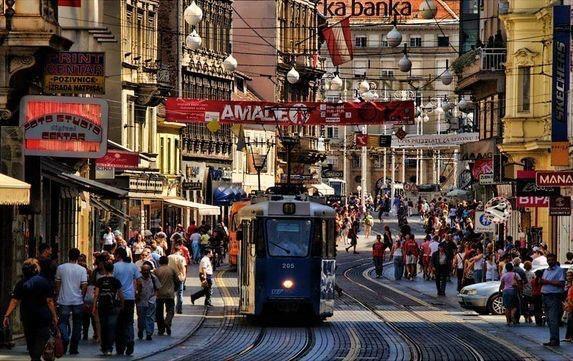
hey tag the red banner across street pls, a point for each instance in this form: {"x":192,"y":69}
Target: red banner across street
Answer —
{"x":285,"y":114}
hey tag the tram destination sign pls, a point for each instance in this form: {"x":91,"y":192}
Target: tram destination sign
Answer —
{"x":554,"y":178}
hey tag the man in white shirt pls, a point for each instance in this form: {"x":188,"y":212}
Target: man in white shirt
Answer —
{"x":178,"y":263}
{"x":108,"y":240}
{"x":71,"y":286}
{"x":539,"y":259}
{"x":206,"y":277}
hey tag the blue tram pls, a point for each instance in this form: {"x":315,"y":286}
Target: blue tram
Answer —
{"x":287,"y":257}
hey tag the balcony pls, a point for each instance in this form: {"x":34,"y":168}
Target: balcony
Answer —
{"x":481,"y":71}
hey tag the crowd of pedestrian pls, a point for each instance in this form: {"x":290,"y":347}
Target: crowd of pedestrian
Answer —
{"x":532,"y":283}
{"x":144,"y":275}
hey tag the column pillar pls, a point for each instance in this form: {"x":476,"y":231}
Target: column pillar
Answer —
{"x":403,"y":166}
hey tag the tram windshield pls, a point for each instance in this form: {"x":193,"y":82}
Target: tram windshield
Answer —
{"x":288,"y":237}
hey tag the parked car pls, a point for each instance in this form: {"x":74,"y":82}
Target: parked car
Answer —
{"x":485,"y":297}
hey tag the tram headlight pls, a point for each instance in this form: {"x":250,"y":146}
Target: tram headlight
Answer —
{"x":288,"y":284}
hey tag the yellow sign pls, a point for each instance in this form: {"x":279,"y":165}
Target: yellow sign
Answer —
{"x":58,"y":84}
{"x":560,"y":153}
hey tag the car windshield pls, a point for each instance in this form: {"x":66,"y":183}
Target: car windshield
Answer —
{"x":288,"y":237}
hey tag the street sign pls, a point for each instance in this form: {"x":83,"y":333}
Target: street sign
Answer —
{"x":483,"y":223}
{"x":385,"y":141}
{"x":560,"y":206}
{"x":486,"y":179}
{"x":330,"y":173}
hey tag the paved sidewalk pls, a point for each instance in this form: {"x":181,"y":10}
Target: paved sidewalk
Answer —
{"x":182,"y":326}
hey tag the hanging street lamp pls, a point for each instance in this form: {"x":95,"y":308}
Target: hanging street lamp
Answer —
{"x":193,"y":40}
{"x":193,"y":14}
{"x":405,"y":64}
{"x":428,"y":9}
{"x":394,"y":37}
{"x":446,"y":76}
{"x":293,"y":76}
{"x":336,"y":83}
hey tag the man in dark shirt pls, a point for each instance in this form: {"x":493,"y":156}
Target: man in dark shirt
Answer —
{"x":48,"y":266}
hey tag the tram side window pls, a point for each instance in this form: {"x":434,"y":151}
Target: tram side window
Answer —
{"x":317,"y":239}
{"x":259,"y":235}
{"x":331,"y":238}
{"x":288,"y":237}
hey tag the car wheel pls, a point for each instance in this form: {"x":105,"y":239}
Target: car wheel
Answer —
{"x":495,"y":305}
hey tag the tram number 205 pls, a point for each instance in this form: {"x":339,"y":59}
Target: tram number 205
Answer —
{"x":287,"y":266}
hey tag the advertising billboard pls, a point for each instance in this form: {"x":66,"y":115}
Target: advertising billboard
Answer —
{"x":75,"y":73}
{"x":67,"y":127}
{"x":286,"y":114}
{"x":560,"y":88}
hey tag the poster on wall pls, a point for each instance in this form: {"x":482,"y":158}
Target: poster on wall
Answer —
{"x":69,"y":127}
{"x":560,"y":88}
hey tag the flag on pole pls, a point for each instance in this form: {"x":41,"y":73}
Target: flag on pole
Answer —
{"x":239,"y":132}
{"x":338,"y":38}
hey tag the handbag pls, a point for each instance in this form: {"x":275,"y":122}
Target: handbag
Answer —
{"x":54,"y":348}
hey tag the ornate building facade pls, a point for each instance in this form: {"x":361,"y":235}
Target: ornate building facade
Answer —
{"x":199,"y":74}
{"x":272,"y":37}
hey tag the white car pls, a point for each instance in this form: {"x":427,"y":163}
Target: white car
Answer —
{"x":485,"y":297}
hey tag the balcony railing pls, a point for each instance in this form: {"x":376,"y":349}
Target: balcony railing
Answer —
{"x":492,"y":59}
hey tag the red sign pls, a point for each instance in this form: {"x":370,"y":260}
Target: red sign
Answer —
{"x":119,"y":159}
{"x":285,"y":114}
{"x":525,"y":174}
{"x":482,"y":166}
{"x":532,"y":202}
{"x":68,"y":127}
{"x":554,"y":178}
{"x":361,"y":140}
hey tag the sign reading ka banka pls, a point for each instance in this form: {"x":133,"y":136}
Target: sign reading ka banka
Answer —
{"x":388,"y":8}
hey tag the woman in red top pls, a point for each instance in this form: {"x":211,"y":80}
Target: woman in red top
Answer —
{"x":378,"y":249}
{"x":410,"y":249}
{"x":536,"y":298}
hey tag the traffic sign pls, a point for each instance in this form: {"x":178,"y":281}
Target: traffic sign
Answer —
{"x":483,"y":223}
{"x":486,"y":179}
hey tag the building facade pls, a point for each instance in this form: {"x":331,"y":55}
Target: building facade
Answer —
{"x":527,"y":120}
{"x":199,"y":74}
{"x":271,"y":37}
{"x":431,"y":46}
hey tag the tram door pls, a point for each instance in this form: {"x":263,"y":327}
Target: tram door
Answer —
{"x":246,"y":269}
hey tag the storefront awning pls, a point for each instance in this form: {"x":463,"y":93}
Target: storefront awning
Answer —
{"x":108,"y":207}
{"x":13,"y":191}
{"x":204,"y":209}
{"x":322,"y":188}
{"x":95,"y":187}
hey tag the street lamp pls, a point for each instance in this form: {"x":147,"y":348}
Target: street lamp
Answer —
{"x":336,"y":83}
{"x":394,"y":37}
{"x":293,"y":76}
{"x":428,"y":9}
{"x":193,"y":14}
{"x":405,"y":64}
{"x":447,"y":77}
{"x":364,"y":86}
{"x":193,"y":40}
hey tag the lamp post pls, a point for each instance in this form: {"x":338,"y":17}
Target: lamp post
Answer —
{"x":259,"y":167}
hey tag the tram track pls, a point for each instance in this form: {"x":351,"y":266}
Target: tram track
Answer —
{"x":417,"y":322}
